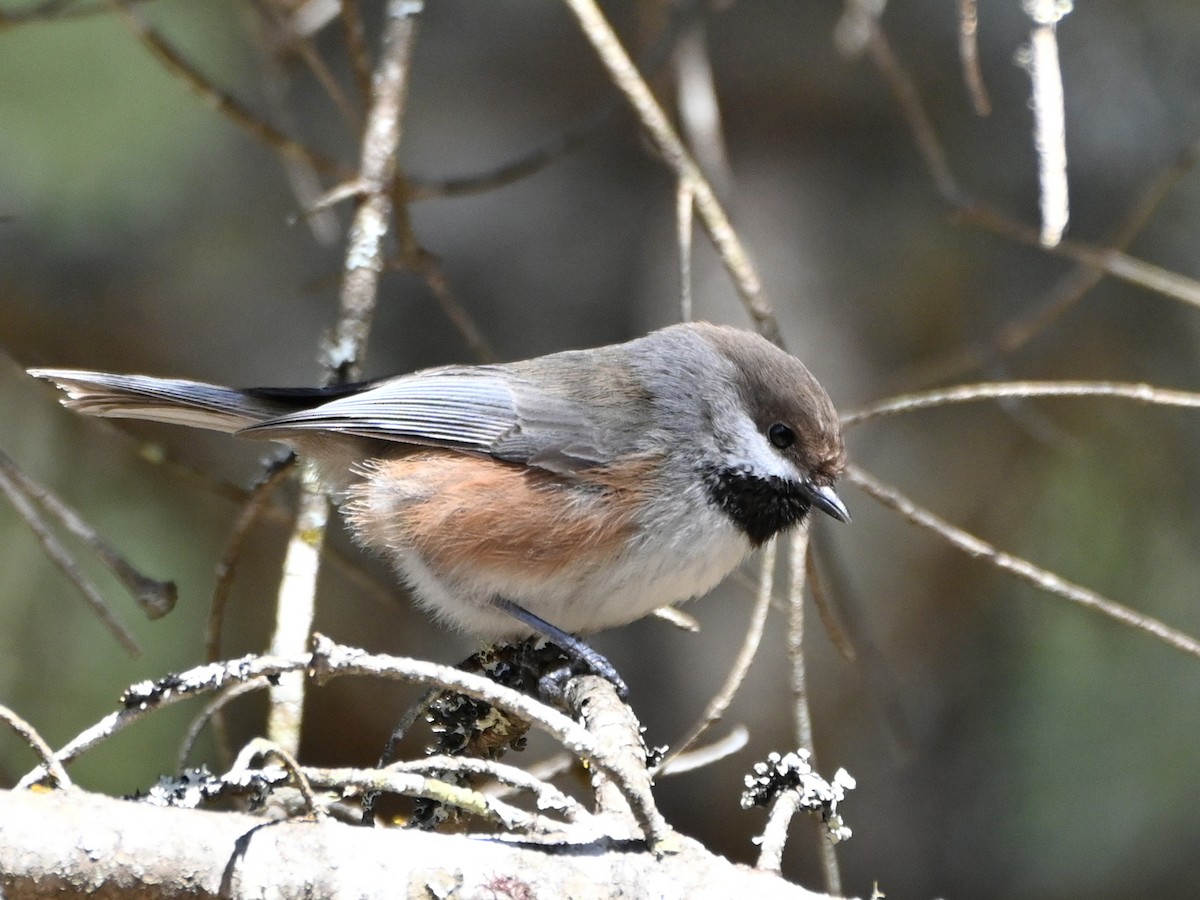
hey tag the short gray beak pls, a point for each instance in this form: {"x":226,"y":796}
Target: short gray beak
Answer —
{"x":827,"y":501}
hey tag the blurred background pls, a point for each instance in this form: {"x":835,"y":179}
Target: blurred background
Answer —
{"x":1005,"y":743}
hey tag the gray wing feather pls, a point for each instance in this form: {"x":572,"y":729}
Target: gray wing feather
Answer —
{"x":465,"y":408}
{"x":171,"y":400}
{"x":485,"y":409}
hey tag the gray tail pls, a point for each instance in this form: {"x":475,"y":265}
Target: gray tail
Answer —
{"x":191,"y":403}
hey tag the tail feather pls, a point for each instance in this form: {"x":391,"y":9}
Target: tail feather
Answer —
{"x":170,"y":400}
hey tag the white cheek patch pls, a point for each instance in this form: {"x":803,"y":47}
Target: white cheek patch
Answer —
{"x":755,"y":452}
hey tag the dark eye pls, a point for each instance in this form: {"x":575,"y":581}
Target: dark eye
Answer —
{"x":781,"y":436}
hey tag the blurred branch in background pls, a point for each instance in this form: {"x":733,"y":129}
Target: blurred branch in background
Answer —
{"x":156,"y":598}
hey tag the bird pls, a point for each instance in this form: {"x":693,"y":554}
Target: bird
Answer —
{"x":560,"y":495}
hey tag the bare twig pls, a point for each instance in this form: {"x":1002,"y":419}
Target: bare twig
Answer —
{"x":545,"y":770}
{"x":546,"y":795}
{"x":707,"y":754}
{"x":797,"y":553}
{"x":155,"y":598}
{"x":775,"y":834}
{"x":262,"y":749}
{"x":54,"y":769}
{"x":1019,"y":331}
{"x":1049,"y":117}
{"x":326,"y":660}
{"x":675,"y":616}
{"x":833,"y":625}
{"x":699,"y":110}
{"x":680,"y":19}
{"x":575,"y":135}
{"x":345,"y":352}
{"x":226,"y":104}
{"x":356,"y":47}
{"x":289,"y":39}
{"x":737,"y":673}
{"x":968,"y":53}
{"x":660,"y":131}
{"x":58,"y":555}
{"x":56,"y":10}
{"x":205,"y":679}
{"x":621,"y":759}
{"x":429,"y":268}
{"x":1040,"y":578}
{"x":257,"y":502}
{"x":415,"y":784}
{"x":861,"y":18}
{"x":275,"y":30}
{"x":684,"y":209}
{"x":1113,"y":262}
{"x":1015,"y":335}
{"x":592,"y":697}
{"x":969,"y":393}
{"x":294,"y":608}
{"x":789,"y":783}
{"x":377,"y":169}
{"x":212,"y":713}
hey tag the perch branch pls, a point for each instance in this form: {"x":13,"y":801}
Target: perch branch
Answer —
{"x":1040,"y":578}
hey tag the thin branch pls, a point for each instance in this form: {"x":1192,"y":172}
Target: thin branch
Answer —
{"x":212,"y":713}
{"x":224,"y":103}
{"x":660,"y":131}
{"x":155,"y":598}
{"x":276,"y":34}
{"x":970,"y":393}
{"x":295,"y":605}
{"x":256,"y":504}
{"x":205,"y":679}
{"x":861,"y":21}
{"x":58,"y":555}
{"x":775,"y":834}
{"x":838,"y":635}
{"x":376,"y":173}
{"x":429,"y":268}
{"x":684,"y":208}
{"x":288,"y":38}
{"x":1049,"y":116}
{"x":55,"y":10}
{"x":414,"y":784}
{"x":699,"y":109}
{"x":860,"y":30}
{"x":718,"y":705}
{"x":326,"y":660}
{"x":1014,"y":565}
{"x":356,"y":47}
{"x":789,"y":783}
{"x":1113,"y":262}
{"x":347,"y":348}
{"x":797,"y":554}
{"x":544,"y":771}
{"x":681,"y":15}
{"x":54,"y":769}
{"x":546,"y":795}
{"x":707,"y":754}
{"x":968,"y":54}
{"x":262,"y":749}
{"x":575,"y":135}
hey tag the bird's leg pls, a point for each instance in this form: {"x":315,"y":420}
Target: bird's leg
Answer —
{"x":571,"y":645}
